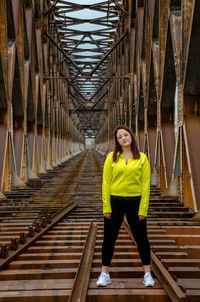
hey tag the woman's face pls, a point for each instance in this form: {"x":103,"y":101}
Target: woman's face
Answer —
{"x":124,"y":138}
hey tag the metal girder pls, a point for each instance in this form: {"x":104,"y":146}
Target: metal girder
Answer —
{"x":120,"y":6}
{"x":50,"y":8}
{"x":77,"y":44}
{"x":101,"y":97}
{"x":89,"y":128}
{"x":77,"y":99}
{"x":90,"y":77}
{"x":63,"y":52}
{"x":77,"y":91}
{"x":87,"y":111}
{"x":80,"y":286}
{"x":108,"y":53}
{"x":87,"y":52}
{"x":159,"y":56}
{"x":101,"y":87}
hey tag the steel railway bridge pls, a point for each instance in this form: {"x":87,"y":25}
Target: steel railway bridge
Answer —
{"x":70,"y":72}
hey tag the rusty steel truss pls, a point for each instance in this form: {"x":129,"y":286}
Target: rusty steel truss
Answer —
{"x":87,"y":34}
{"x":160,"y":101}
{"x":70,"y":71}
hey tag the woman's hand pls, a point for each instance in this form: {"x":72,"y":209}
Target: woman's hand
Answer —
{"x":107,"y":215}
{"x":141,"y":217}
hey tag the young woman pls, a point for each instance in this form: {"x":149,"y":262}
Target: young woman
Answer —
{"x":125,"y":190}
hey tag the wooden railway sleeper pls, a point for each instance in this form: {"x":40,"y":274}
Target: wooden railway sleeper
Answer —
{"x":171,"y":287}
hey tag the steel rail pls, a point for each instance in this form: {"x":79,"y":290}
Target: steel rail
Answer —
{"x":40,"y":230}
{"x":80,"y":286}
{"x":171,"y":287}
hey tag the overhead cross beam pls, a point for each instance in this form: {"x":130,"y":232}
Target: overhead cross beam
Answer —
{"x":87,"y":111}
{"x":87,"y":64}
{"x":108,"y":53}
{"x":126,"y":77}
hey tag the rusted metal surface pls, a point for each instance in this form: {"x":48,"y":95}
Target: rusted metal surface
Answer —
{"x":141,"y":140}
{"x":192,"y":145}
{"x":141,"y":68}
{"x":2,"y":139}
{"x":163,"y":83}
{"x":86,"y":72}
{"x":169,"y":147}
{"x":169,"y":284}
{"x":152,"y":141}
{"x":80,"y":287}
{"x":27,"y":101}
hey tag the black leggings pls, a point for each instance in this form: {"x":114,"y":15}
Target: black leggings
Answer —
{"x":128,"y":206}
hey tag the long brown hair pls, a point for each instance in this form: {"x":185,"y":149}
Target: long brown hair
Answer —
{"x":118,"y":147}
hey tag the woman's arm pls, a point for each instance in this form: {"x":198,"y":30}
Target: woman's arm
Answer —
{"x":107,"y":173}
{"x":145,"y":178}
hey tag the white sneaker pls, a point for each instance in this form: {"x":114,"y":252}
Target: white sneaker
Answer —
{"x":103,"y":280}
{"x":148,"y":280}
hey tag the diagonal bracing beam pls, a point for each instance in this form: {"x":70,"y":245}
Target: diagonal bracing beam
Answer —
{"x":50,"y":8}
{"x":64,"y":53}
{"x":99,"y":100}
{"x":100,"y":88}
{"x":120,"y":6}
{"x":108,"y":53}
{"x":77,"y":91}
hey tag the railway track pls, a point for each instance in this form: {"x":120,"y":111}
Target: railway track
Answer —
{"x":53,"y":251}
{"x":25,"y":210}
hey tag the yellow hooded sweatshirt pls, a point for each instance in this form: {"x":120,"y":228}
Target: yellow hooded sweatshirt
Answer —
{"x":126,"y":180}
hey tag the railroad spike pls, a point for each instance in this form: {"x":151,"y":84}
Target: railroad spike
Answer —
{"x":30,"y":231}
{"x":43,"y":222}
{"x":22,"y":238}
{"x":4,"y":252}
{"x":48,"y":218}
{"x":37,"y":227}
{"x":14,"y":245}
